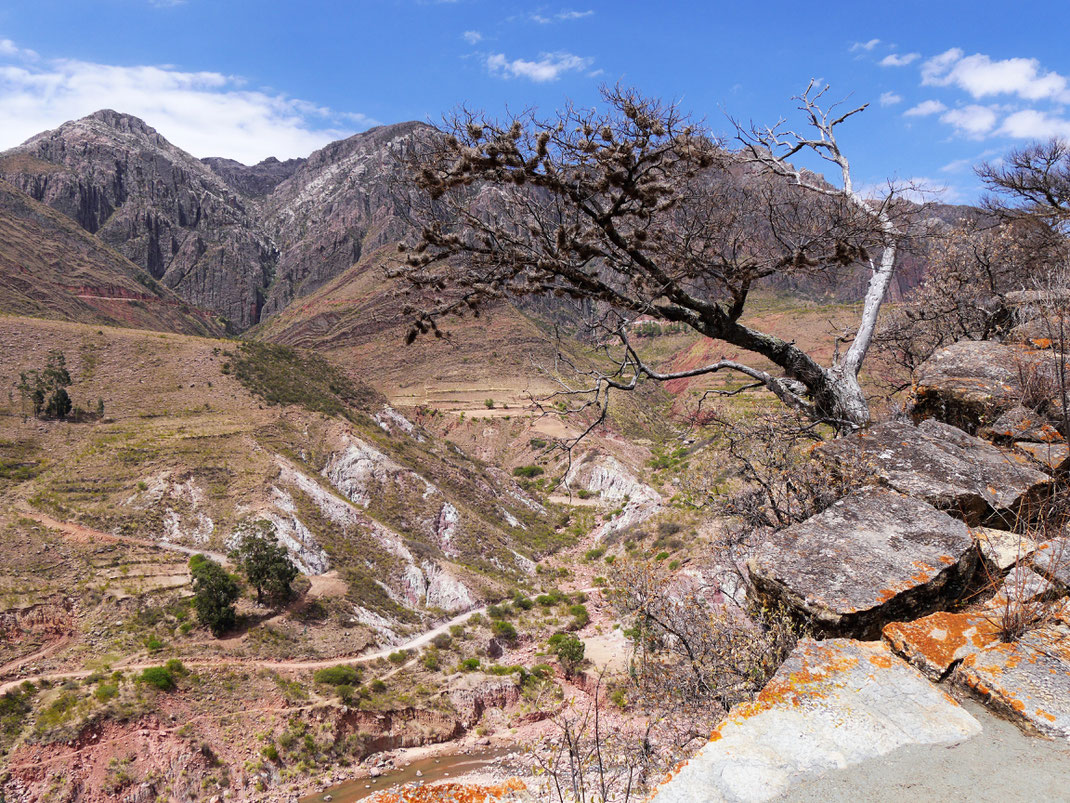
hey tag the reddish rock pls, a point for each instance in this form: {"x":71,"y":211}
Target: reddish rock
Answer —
{"x":1054,"y":457}
{"x":1021,"y":424}
{"x":935,"y":643}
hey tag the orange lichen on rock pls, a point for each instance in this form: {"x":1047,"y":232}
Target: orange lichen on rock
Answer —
{"x":933,"y":643}
{"x":450,"y":793}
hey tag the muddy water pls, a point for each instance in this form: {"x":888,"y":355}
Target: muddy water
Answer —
{"x":430,"y":769}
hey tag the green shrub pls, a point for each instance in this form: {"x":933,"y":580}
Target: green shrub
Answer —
{"x":176,"y":668}
{"x":661,"y":556}
{"x":105,"y":692}
{"x":271,"y":753}
{"x":537,"y":443}
{"x":398,"y":658}
{"x":431,"y":660}
{"x":527,"y":471}
{"x":674,"y":565}
{"x":594,"y":554}
{"x":504,"y":630}
{"x":377,"y":686}
{"x":442,"y":641}
{"x":338,"y":675}
{"x":541,"y":671}
{"x":522,"y":602}
{"x":569,"y":651}
{"x":502,"y":611}
{"x":158,"y":677}
{"x":580,"y":617}
{"x":610,"y":559}
{"x":214,"y":594}
{"x":153,"y":644}
{"x":457,"y":631}
{"x":488,"y":403}
{"x":469,"y":664}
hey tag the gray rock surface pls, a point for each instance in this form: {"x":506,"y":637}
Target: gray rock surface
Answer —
{"x":832,"y":704}
{"x":874,"y":557}
{"x":969,"y":384}
{"x":949,"y":469}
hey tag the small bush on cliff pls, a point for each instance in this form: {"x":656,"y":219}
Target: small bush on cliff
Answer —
{"x":569,"y":651}
{"x":504,"y":631}
{"x":158,"y":677}
{"x":340,"y":675}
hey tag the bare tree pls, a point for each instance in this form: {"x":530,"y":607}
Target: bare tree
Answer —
{"x":1033,"y":181}
{"x":641,"y":210}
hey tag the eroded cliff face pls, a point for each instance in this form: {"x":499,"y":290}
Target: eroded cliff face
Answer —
{"x":154,"y":203}
{"x":336,"y":210}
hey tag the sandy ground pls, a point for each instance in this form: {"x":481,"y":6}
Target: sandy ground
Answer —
{"x":1001,"y":764}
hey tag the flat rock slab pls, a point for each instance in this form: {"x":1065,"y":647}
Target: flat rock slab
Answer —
{"x":1020,"y":424}
{"x":969,"y":384}
{"x":832,"y":704}
{"x":935,"y":643}
{"x":1003,"y":548}
{"x":872,"y":558}
{"x":1027,"y":680}
{"x":1054,"y":457}
{"x":947,"y":468}
{"x":1052,"y":560}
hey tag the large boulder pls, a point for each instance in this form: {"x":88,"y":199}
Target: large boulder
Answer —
{"x":874,"y":557}
{"x":832,"y":704}
{"x":970,"y":383}
{"x":1027,"y":680}
{"x":947,"y":468}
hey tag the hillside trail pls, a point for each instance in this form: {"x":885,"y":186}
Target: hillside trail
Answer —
{"x":83,"y":534}
{"x":414,"y":643}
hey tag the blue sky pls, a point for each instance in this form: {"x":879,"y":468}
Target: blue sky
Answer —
{"x":949,"y":83}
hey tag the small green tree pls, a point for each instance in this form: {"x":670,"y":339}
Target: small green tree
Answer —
{"x":46,"y":390}
{"x":267,"y":565}
{"x":569,"y":651}
{"x":214,"y":594}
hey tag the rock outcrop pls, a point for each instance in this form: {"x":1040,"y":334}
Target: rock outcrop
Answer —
{"x":949,"y":469}
{"x":155,"y":204}
{"x":970,"y":384}
{"x":831,"y":704}
{"x":872,"y":558}
{"x":336,"y":210}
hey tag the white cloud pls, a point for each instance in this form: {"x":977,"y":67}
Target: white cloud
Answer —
{"x":11,"y":50}
{"x":980,"y":76}
{"x":561,"y":16}
{"x":925,"y":108}
{"x":1033,"y":124}
{"x":895,"y":60}
{"x":548,"y":67}
{"x":890,"y":98}
{"x":472,"y":37}
{"x":973,"y":121}
{"x":574,"y":15}
{"x":205,"y":113}
{"x":960,"y":165}
{"x":867,"y":46}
